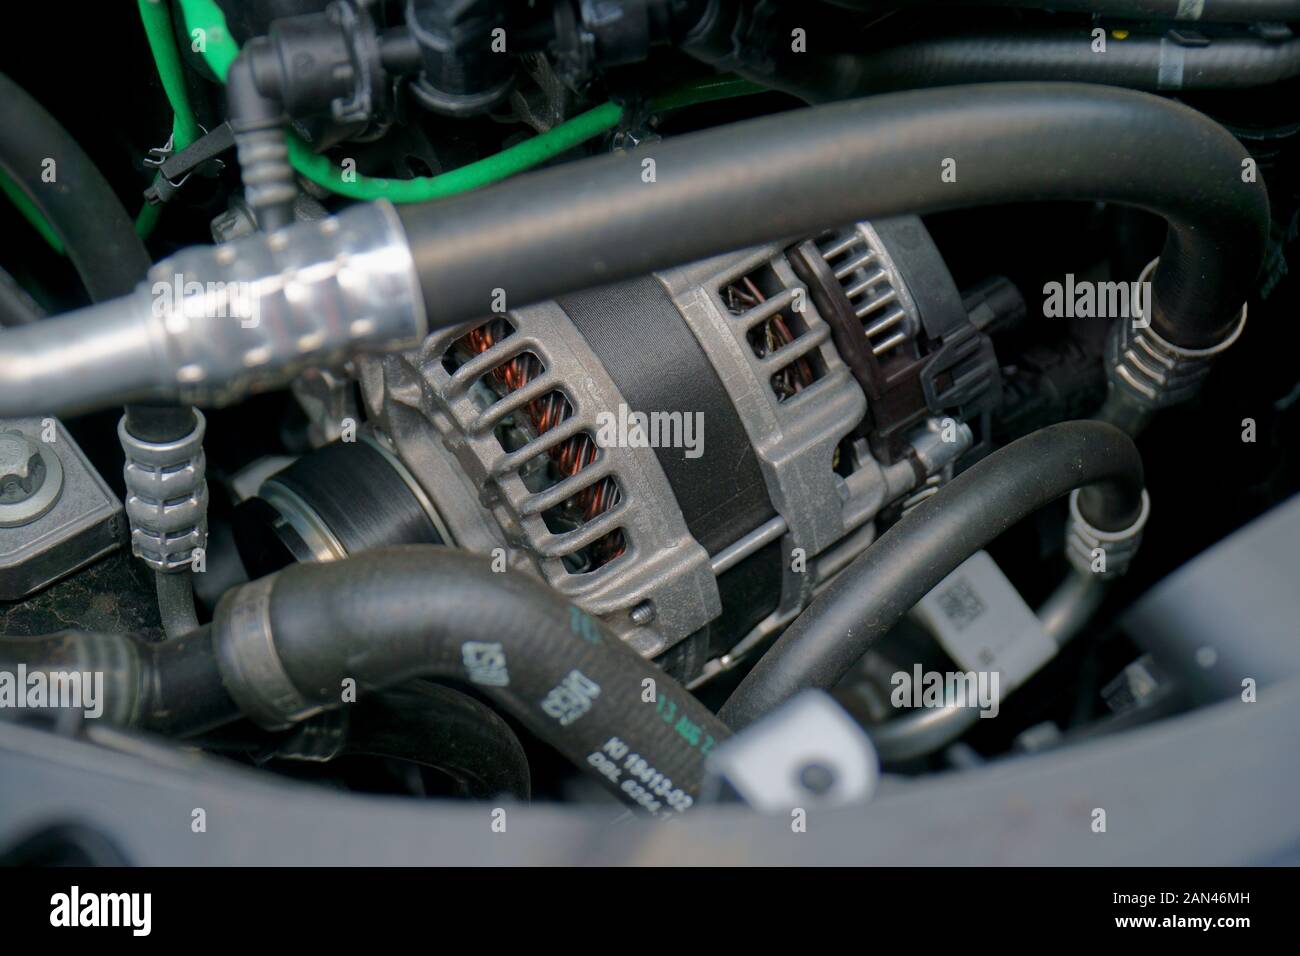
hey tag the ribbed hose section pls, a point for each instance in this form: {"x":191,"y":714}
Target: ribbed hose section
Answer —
{"x":267,"y":176}
{"x":287,"y":645}
{"x":262,"y":145}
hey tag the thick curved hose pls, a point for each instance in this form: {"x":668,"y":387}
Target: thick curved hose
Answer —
{"x":221,"y":51}
{"x":1140,"y":62}
{"x":1222,"y":11}
{"x":599,"y":220}
{"x":873,"y":593}
{"x":595,"y":221}
{"x":386,"y":616}
{"x":78,"y":203}
{"x":29,"y":212}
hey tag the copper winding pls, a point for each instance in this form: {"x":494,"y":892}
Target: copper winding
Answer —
{"x":545,"y":413}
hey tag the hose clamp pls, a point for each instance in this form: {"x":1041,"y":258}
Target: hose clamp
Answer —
{"x":250,"y":666}
{"x":1156,"y":373}
{"x":166,"y":496}
{"x":1107,"y":554}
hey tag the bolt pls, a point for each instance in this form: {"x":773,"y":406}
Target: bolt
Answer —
{"x":643,"y":614}
{"x":817,"y":778}
{"x":21,"y":468}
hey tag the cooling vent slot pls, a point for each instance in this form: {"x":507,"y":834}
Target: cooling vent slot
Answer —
{"x":770,"y":315}
{"x":570,"y":484}
{"x":859,"y":269}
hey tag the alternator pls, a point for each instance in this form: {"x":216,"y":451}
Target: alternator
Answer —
{"x":673,"y":452}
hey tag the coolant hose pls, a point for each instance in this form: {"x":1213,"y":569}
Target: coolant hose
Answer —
{"x":1224,"y":11}
{"x":57,"y":177}
{"x":171,"y":688}
{"x":1139,"y":61}
{"x":596,"y":221}
{"x":288,"y":643}
{"x":593,"y":222}
{"x":284,"y":647}
{"x":883,"y":583}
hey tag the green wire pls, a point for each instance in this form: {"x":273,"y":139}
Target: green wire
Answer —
{"x":219,"y":50}
{"x":157,"y":19}
{"x":522,"y":156}
{"x":205,"y":26}
{"x":156,"y":16}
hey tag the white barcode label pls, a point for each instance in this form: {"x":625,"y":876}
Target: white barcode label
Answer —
{"x":984,"y":624}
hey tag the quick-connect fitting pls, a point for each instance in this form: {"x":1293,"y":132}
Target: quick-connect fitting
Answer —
{"x":1151,"y":372}
{"x":1107,"y":554}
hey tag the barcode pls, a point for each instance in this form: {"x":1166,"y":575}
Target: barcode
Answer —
{"x":960,"y":603}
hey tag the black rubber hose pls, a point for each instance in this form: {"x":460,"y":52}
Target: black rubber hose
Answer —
{"x":1140,"y":62}
{"x":171,"y":688}
{"x":386,"y":616}
{"x":874,"y":592}
{"x":79,"y":204}
{"x":1220,"y":11}
{"x":88,"y":218}
{"x":445,"y":729}
{"x":595,"y":221}
{"x":262,"y":144}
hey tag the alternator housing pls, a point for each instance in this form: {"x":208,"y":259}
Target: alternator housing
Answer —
{"x":501,"y":424}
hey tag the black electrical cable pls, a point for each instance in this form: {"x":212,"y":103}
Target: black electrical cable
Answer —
{"x":874,"y":592}
{"x":88,"y":218}
{"x":1140,"y":62}
{"x":1222,"y":11}
{"x":595,"y":221}
{"x":386,"y":616}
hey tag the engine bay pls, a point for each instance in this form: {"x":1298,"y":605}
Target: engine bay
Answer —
{"x":628,"y":411}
